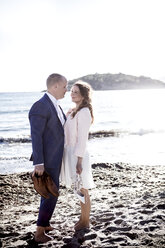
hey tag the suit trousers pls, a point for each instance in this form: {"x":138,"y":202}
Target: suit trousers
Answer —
{"x":47,"y":206}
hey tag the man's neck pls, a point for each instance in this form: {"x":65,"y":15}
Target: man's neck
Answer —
{"x":52,"y":94}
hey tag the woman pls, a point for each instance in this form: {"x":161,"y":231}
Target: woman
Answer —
{"x":76,"y":157}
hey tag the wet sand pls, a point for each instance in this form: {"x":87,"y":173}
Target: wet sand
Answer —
{"x":128,"y":210}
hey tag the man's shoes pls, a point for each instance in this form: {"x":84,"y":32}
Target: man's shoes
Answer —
{"x":51,"y":187}
{"x":40,"y":186}
{"x":44,"y":185}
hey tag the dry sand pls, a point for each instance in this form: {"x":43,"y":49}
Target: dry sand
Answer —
{"x":128,"y":210}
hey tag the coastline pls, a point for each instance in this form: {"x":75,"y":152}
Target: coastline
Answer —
{"x":128,"y":209}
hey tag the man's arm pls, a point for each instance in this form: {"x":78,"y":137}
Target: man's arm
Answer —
{"x":38,"y":122}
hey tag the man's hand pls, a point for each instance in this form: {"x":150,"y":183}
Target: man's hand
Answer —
{"x":39,"y":170}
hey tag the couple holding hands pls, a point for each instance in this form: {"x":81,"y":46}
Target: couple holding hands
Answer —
{"x":59,"y":147}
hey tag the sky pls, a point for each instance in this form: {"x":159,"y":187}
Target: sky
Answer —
{"x":79,"y":37}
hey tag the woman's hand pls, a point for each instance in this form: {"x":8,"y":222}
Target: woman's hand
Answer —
{"x":69,"y":112}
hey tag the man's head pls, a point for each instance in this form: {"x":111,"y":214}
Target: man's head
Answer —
{"x":56,"y":85}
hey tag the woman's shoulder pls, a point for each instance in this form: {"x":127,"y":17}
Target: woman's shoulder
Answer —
{"x":84,"y":113}
{"x":84,"y":110}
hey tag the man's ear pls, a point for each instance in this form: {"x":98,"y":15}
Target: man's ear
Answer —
{"x":55,"y":86}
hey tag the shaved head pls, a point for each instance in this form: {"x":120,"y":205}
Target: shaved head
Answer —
{"x":53,"y":79}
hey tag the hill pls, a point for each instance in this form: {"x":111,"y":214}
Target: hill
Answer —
{"x":118,"y":82}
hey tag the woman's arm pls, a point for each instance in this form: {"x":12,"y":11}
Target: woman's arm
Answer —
{"x":79,"y":165}
{"x":83,"y":124}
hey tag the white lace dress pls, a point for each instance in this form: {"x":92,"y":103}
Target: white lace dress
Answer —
{"x":76,"y":136}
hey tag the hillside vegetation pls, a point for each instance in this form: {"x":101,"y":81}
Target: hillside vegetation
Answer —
{"x":118,"y":82}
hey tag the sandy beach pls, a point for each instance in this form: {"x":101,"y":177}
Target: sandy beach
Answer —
{"x":128,"y":210}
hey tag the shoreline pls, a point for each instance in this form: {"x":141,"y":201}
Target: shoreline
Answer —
{"x":128,"y":210}
{"x":14,"y":157}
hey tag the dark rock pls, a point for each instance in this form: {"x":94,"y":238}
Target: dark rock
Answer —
{"x":119,"y":206}
{"x":159,"y":217}
{"x":117,"y":240}
{"x":162,"y":195}
{"x":131,"y":235}
{"x":101,"y":165}
{"x":146,"y":222}
{"x":90,"y":236}
{"x":115,"y":185}
{"x":152,"y":228}
{"x":119,"y":166}
{"x":118,"y":222}
{"x":119,"y":213}
{"x":147,"y":242}
{"x":147,"y":212}
{"x":114,"y":229}
{"x":161,"y":206}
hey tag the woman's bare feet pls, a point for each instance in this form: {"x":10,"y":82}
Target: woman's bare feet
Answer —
{"x":77,"y":222}
{"x":81,"y":225}
{"x":85,"y":212}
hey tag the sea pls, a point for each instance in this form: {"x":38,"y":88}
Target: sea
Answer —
{"x":129,"y":127}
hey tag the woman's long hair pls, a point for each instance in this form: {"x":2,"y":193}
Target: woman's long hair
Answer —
{"x":86,"y":92}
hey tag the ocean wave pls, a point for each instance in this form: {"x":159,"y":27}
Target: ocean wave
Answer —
{"x":14,"y":158}
{"x":15,"y":140}
{"x":144,"y":131}
{"x":96,"y":134}
{"x":104,"y":133}
{"x":9,"y":112}
{"x":117,"y":133}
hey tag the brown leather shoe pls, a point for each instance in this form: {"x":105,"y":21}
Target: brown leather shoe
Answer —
{"x":51,"y":187}
{"x":40,"y":186}
{"x":45,"y":185}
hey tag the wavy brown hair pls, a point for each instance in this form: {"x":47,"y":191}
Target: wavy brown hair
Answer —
{"x":86,"y":92}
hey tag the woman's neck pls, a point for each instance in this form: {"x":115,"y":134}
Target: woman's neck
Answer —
{"x":78,"y":104}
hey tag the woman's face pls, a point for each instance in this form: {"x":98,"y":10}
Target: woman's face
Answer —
{"x":76,"y":95}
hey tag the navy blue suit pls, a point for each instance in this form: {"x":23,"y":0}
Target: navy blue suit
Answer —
{"x":47,"y":135}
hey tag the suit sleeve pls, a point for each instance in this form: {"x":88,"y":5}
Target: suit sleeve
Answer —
{"x":83,"y":125}
{"x":38,"y":120}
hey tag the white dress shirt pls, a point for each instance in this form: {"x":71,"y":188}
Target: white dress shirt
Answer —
{"x":58,"y":109}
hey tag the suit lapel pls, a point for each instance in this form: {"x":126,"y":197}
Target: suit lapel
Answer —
{"x":54,"y":109}
{"x":63,"y":113}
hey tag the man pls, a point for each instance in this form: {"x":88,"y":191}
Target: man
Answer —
{"x":47,"y":133}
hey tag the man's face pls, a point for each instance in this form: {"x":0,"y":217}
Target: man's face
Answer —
{"x":61,"y":89}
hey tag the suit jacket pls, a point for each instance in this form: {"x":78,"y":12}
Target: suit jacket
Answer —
{"x":47,"y":134}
